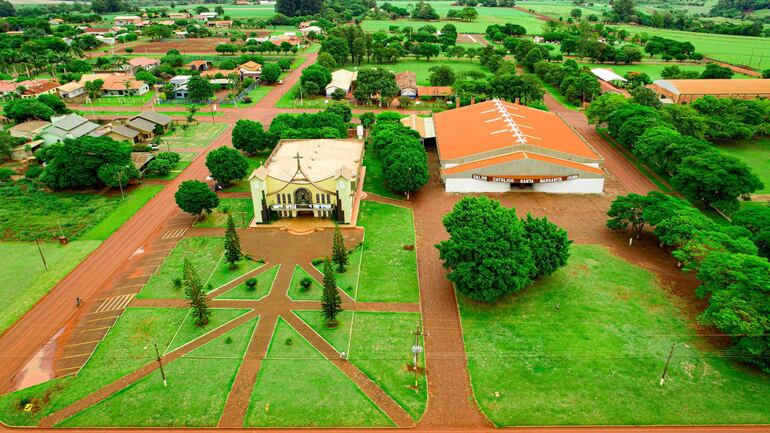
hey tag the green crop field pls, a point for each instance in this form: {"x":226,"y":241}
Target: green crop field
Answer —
{"x":556,"y":9}
{"x":598,"y":357}
{"x":255,"y":11}
{"x":486,"y":17}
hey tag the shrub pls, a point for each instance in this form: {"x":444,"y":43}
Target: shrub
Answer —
{"x":34,"y":172}
{"x":251,"y":284}
{"x":177,"y":283}
{"x":317,"y":262}
{"x":247,"y":100}
{"x":305,"y":283}
{"x":289,"y":341}
{"x":229,"y":340}
{"x":6,"y":173}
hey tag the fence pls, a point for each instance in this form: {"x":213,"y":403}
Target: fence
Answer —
{"x":240,"y":96}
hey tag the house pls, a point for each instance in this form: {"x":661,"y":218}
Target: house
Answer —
{"x":123,"y":133}
{"x":608,"y":76}
{"x":407,"y":84}
{"x":205,"y":16}
{"x":305,"y":24}
{"x":56,"y":21}
{"x":342,"y":79}
{"x":179,"y":84}
{"x":7,"y":88}
{"x":106,"y":40}
{"x":121,"y":85}
{"x":166,"y":22}
{"x":71,"y":90}
{"x":434,"y":92}
{"x":199,"y":65}
{"x":181,"y":34}
{"x":145,"y":128}
{"x":250,"y":69}
{"x":45,"y":88}
{"x":29,"y":129}
{"x":155,"y":118}
{"x":26,"y":150}
{"x":93,"y":31}
{"x":311,"y":29}
{"x":179,"y":15}
{"x":496,"y":146}
{"x":686,"y":91}
{"x":242,"y":3}
{"x":69,"y":126}
{"x":213,"y":73}
{"x":220,"y":23}
{"x":141,"y":160}
{"x":124,"y":20}
{"x":423,"y":126}
{"x":146,"y":63}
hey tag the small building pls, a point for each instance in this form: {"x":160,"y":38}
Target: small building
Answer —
{"x":124,"y":20}
{"x":45,"y":88}
{"x":317,"y":177}
{"x":123,"y":133}
{"x":305,"y":24}
{"x":145,"y":128}
{"x":181,"y":34}
{"x":56,"y":21}
{"x":26,"y":150}
{"x":7,"y":89}
{"x":311,"y":29}
{"x":155,"y":118}
{"x":146,"y":63}
{"x":121,"y":85}
{"x":179,"y":84}
{"x":94,"y":31}
{"x":199,"y":65}
{"x":608,"y":76}
{"x":71,"y":90}
{"x":434,"y":92}
{"x":407,"y":84}
{"x":141,"y":160}
{"x":342,"y":79}
{"x":496,"y":146}
{"x":29,"y":129}
{"x":423,"y":126}
{"x":179,"y":15}
{"x":69,"y":126}
{"x":686,"y":91}
{"x":205,"y":16}
{"x":250,"y":69}
{"x":221,"y":24}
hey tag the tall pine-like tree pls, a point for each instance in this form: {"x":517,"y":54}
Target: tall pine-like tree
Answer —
{"x":233,"y":251}
{"x":339,"y":253}
{"x":196,"y":294}
{"x":331,"y":304}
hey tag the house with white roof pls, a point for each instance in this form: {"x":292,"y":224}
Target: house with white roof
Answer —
{"x":341,"y":79}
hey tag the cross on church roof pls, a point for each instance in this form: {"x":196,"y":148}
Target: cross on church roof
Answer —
{"x":298,"y":158}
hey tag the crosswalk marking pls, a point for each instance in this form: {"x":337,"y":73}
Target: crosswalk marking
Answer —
{"x":174,"y":234}
{"x":115,"y":303}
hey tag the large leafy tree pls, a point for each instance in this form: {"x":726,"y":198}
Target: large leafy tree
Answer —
{"x":406,"y":169}
{"x":199,"y":89}
{"x":371,"y":82}
{"x":756,"y":219}
{"x":195,"y":197}
{"x":487,"y":253}
{"x":684,"y":119}
{"x":627,"y":211}
{"x":337,"y":47}
{"x":227,"y":165}
{"x":600,"y":108}
{"x":22,"y":110}
{"x":441,"y":76}
{"x":738,"y":291}
{"x":713,"y":178}
{"x":628,"y":122}
{"x":548,"y":243}
{"x":318,"y":75}
{"x":704,"y":242}
{"x":249,"y":136}
{"x":77,"y":163}
{"x":270,"y":73}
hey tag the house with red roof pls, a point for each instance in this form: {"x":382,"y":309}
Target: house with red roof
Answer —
{"x":497,"y":146}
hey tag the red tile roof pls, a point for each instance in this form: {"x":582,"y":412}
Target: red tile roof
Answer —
{"x":518,"y":156}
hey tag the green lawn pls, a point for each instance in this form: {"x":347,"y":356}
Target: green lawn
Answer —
{"x":175,"y":171}
{"x":206,"y":255}
{"x":256,"y":11}
{"x":298,"y":387}
{"x":556,"y":9}
{"x":128,"y":346}
{"x":376,"y":345}
{"x":598,"y":358}
{"x":374,"y":180}
{"x":27,"y":281}
{"x":755,"y":153}
{"x":422,"y":68}
{"x":122,"y":213}
{"x":348,"y":280}
{"x":264,"y":285}
{"x":296,"y":291}
{"x":256,"y":95}
{"x":107,"y":101}
{"x":196,"y":136}
{"x":388,"y":270}
{"x":198,"y":386}
{"x":486,"y":17}
{"x":189,"y":331}
{"x":242,"y":210}
{"x":254,"y":162}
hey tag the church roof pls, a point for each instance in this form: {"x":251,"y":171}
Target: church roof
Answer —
{"x":319,"y":159}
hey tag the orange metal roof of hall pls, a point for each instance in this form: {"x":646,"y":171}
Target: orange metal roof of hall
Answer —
{"x":494,"y":124}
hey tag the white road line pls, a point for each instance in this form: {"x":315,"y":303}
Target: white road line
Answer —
{"x":102,"y":318}
{"x":85,"y":342}
{"x":95,"y":329}
{"x":76,"y":356}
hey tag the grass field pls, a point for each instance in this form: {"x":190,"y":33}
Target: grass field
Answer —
{"x":206,"y":255}
{"x":207,"y":371}
{"x":256,"y":11}
{"x":122,"y":213}
{"x":755,"y":153}
{"x":422,"y":68}
{"x":26,"y":280}
{"x":241,"y":209}
{"x":370,"y":340}
{"x":598,"y":358}
{"x":298,"y":387}
{"x":375,"y":178}
{"x":556,"y":9}
{"x":264,"y":285}
{"x":388,"y":270}
{"x":196,"y":136}
{"x":110,"y":101}
{"x":298,"y":293}
{"x":254,"y":162}
{"x":348,"y":280}
{"x":189,"y":331}
{"x":486,"y":17}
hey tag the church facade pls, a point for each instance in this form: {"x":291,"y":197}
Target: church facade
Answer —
{"x":314,"y":177}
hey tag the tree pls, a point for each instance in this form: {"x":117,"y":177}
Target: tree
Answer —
{"x":704,"y":242}
{"x":331,"y":304}
{"x":548,"y":243}
{"x":684,"y":119}
{"x":600,"y":108}
{"x":117,"y":175}
{"x":233,"y":253}
{"x":335,"y":47}
{"x":7,"y":9}
{"x":628,"y":122}
{"x":576,"y":13}
{"x":487,"y":254}
{"x":227,"y":165}
{"x":316,"y":74}
{"x":756,"y":219}
{"x":326,"y":60}
{"x":199,"y":89}
{"x":738,"y":291}
{"x":713,"y":178}
{"x":22,"y":110}
{"x":371,"y":82}
{"x":293,"y":8}
{"x":341,"y":110}
{"x":623,"y":8}
{"x":250,"y":137}
{"x":367,"y":119}
{"x":94,"y":88}
{"x":157,"y":31}
{"x":8,"y":143}
{"x":54,"y":102}
{"x":715,"y":71}
{"x":76,"y":163}
{"x":628,"y":211}
{"x":195,"y":197}
{"x":406,"y":167}
{"x":339,"y":252}
{"x":441,"y":76}
{"x":427,"y":50}
{"x":643,"y":96}
{"x":270,"y":73}
{"x":196,"y":293}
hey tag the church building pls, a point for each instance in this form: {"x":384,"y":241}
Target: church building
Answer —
{"x":315,"y":177}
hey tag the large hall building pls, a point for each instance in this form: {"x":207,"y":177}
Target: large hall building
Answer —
{"x":316,"y":177}
{"x":496,"y":146}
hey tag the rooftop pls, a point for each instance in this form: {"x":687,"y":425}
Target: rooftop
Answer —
{"x":716,"y":86}
{"x":434,"y":90}
{"x":154,"y":117}
{"x":251,"y":66}
{"x":607,"y":75}
{"x":125,"y":131}
{"x":142,"y":61}
{"x":406,"y":80}
{"x":423,"y":125}
{"x":320,"y":159}
{"x":342,"y":79}
{"x":496,"y":125}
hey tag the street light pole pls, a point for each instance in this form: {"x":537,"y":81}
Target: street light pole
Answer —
{"x":160,"y":364}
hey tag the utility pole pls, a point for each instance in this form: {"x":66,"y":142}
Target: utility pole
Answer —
{"x":668,"y":360}
{"x":119,"y":175}
{"x":160,"y":364}
{"x":417,"y":349}
{"x":42,"y":257}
